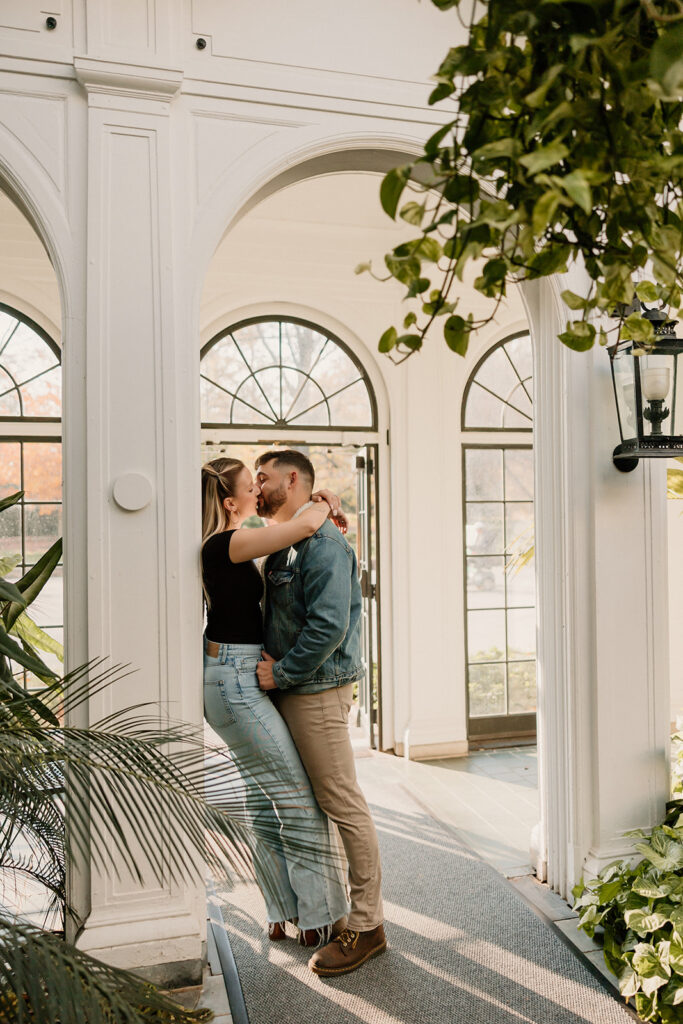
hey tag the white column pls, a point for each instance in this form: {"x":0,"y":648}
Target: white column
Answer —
{"x":602,"y":625}
{"x":143,"y":606}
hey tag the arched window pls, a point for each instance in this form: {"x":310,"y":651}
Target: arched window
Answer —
{"x":499,"y":394}
{"x":498,"y":475}
{"x":31,"y":460}
{"x":285,"y":373}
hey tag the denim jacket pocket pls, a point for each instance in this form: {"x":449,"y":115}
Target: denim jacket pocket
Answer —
{"x":282,"y":579}
{"x":217,"y":708}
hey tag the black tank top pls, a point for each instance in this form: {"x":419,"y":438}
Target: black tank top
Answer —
{"x":235,"y":590}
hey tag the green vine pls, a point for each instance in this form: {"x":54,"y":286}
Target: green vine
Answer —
{"x":562,"y":144}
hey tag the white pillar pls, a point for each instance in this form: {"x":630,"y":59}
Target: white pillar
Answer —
{"x":602,"y":592}
{"x":143,"y":595}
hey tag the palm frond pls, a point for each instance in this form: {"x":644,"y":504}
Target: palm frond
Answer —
{"x":44,"y":980}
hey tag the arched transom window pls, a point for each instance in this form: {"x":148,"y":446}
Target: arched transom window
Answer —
{"x":283,"y":372}
{"x":499,"y":395}
{"x":30,"y":370}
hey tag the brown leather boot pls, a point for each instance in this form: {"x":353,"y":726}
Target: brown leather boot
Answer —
{"x":347,"y":951}
{"x":276,"y":931}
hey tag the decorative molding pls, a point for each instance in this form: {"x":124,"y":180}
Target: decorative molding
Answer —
{"x":111,"y":78}
{"x":38,"y":123}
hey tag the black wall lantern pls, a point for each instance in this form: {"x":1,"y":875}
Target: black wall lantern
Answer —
{"x":645,"y":389}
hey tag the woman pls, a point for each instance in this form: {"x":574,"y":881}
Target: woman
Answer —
{"x":298,"y":868}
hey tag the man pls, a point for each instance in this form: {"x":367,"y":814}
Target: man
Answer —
{"x":313,"y":640}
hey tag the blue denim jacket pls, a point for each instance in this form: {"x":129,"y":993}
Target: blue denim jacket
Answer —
{"x":313,"y":613}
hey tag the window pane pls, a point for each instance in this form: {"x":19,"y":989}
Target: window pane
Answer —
{"x":301,"y":346}
{"x":521,"y":687}
{"x":9,"y":395}
{"x":484,"y":528}
{"x":10,"y":532}
{"x":497,"y":374}
{"x":224,"y":365}
{"x":484,"y":474}
{"x":10,"y":468}
{"x":42,"y":527}
{"x":352,"y":406}
{"x":486,"y":685}
{"x":300,"y":396}
{"x":47,"y":608}
{"x":519,"y":526}
{"x":485,"y":583}
{"x":518,"y":414}
{"x":521,"y":585}
{"x":259,"y":344}
{"x":519,"y":474}
{"x":215,"y":403}
{"x":42,"y":471}
{"x":335,"y":369}
{"x":483,"y":410}
{"x":486,"y":636}
{"x":283,"y":371}
{"x":43,"y":397}
{"x":520,"y":352}
{"x":521,"y":634}
{"x":252,"y":393}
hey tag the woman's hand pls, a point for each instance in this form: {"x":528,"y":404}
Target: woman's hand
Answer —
{"x":336,"y":514}
{"x":316,"y":515}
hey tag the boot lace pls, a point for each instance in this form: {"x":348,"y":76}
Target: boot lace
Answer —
{"x":347,"y":939}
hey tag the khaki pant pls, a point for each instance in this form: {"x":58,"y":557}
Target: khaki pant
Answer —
{"x":318,"y":723}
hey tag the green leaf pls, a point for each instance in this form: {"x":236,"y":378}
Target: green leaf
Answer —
{"x":11,"y":649}
{"x":666,"y":61}
{"x":411,"y":341}
{"x":429,"y":249}
{"x":392,"y":188}
{"x":10,"y":500}
{"x":578,"y":336}
{"x":461,"y":188}
{"x":536,"y":98}
{"x":362,"y":267}
{"x":388,"y":340}
{"x":27,"y":630}
{"x":405,"y":269}
{"x":636,"y":328}
{"x":500,"y":149}
{"x":417,"y":287}
{"x":543,"y":158}
{"x":8,"y":563}
{"x":573,"y":300}
{"x":33,"y":581}
{"x":9,"y":592}
{"x":457,"y":331}
{"x":410,"y":319}
{"x":544,"y":211}
{"x":629,"y":983}
{"x":577,"y":188}
{"x":644,"y":922}
{"x":413,"y":213}
{"x":646,"y":291}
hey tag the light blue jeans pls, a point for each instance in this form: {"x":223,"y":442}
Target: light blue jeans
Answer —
{"x":298,"y":866}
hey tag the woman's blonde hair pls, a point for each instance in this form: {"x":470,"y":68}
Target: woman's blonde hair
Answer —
{"x":219,"y":478}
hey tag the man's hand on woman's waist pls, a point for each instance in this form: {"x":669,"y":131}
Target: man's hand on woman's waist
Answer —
{"x":264,"y":671}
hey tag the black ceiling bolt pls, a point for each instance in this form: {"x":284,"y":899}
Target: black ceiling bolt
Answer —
{"x":50,"y":23}
{"x":201,"y":43}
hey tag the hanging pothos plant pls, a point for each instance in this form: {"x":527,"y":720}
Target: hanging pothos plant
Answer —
{"x":561,"y":144}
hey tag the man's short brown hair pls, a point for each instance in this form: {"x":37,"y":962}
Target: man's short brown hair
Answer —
{"x":290,"y":457}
